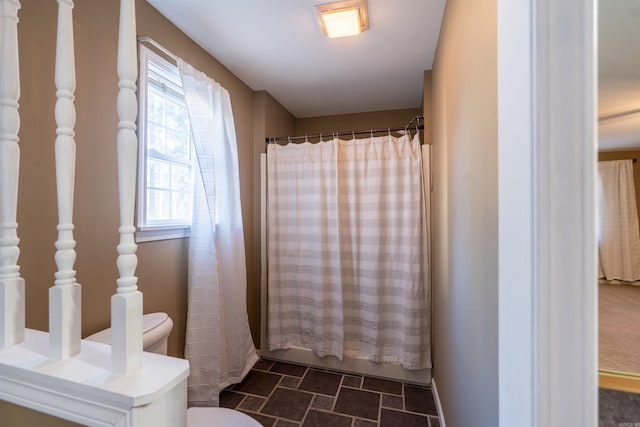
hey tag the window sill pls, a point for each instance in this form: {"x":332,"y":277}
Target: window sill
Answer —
{"x":151,"y":234}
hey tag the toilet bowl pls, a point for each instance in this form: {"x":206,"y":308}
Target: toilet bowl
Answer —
{"x":219,"y":417}
{"x":156,"y":328}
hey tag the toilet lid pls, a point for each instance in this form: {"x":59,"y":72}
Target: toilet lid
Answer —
{"x":153,"y":320}
{"x":149,"y":322}
{"x":219,"y":417}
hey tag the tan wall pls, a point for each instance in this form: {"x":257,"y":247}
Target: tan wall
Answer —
{"x":277,"y":119}
{"x":465,"y":251}
{"x":16,"y":416}
{"x":358,"y":121}
{"x":623,"y":155}
{"x":427,"y":106}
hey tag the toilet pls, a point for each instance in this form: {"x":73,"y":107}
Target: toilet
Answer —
{"x":156,"y":328}
{"x":219,"y":417}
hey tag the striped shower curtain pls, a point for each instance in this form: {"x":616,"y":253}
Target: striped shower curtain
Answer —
{"x":347,"y":250}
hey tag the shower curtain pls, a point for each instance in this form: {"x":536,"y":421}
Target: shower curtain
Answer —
{"x":618,"y":230}
{"x":347,"y":262}
{"x":218,"y":341}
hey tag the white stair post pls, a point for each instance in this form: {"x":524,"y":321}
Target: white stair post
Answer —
{"x":126,"y":304}
{"x":11,"y":284}
{"x":64,"y":297}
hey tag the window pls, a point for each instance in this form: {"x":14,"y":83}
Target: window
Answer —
{"x":165,"y":172}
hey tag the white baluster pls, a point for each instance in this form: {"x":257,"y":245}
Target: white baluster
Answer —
{"x":126,"y":304}
{"x":11,"y":284}
{"x":64,"y":297}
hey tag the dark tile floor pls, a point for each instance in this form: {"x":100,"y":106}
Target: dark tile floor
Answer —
{"x":285,"y":395}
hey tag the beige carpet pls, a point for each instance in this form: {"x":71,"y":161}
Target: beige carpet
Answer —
{"x":619,"y":327}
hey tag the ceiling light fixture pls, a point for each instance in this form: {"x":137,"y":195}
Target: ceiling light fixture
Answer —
{"x":345,"y":18}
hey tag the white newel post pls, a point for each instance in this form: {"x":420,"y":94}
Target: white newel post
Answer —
{"x":126,"y":304}
{"x":64,"y":297}
{"x":11,"y":284}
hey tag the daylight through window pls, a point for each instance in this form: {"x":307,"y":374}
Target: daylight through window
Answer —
{"x":166,"y":151}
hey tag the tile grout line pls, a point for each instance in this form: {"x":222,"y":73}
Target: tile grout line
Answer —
{"x":271,"y":393}
{"x":379,"y":408}
{"x":304,"y":418}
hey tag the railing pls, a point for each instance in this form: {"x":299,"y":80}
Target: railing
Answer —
{"x":56,"y":372}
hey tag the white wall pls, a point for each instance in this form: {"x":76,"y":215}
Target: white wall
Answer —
{"x":466,"y":214}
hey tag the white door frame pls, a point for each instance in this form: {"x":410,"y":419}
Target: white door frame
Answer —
{"x":547,"y":78}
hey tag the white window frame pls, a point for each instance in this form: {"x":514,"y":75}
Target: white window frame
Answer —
{"x":144,"y":232}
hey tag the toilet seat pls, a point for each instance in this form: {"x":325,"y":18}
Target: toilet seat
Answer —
{"x":219,"y":417}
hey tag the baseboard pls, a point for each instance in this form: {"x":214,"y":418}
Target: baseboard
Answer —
{"x":619,"y":381}
{"x":436,"y":397}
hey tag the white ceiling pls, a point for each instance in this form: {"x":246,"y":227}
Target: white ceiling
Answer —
{"x":277,"y":46}
{"x":619,"y":74}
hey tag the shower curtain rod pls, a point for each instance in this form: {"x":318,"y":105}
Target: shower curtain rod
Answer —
{"x":344,"y":133}
{"x":415,"y":119}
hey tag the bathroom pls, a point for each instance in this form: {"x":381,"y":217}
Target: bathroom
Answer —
{"x":469,"y":337}
{"x":162,"y":265}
